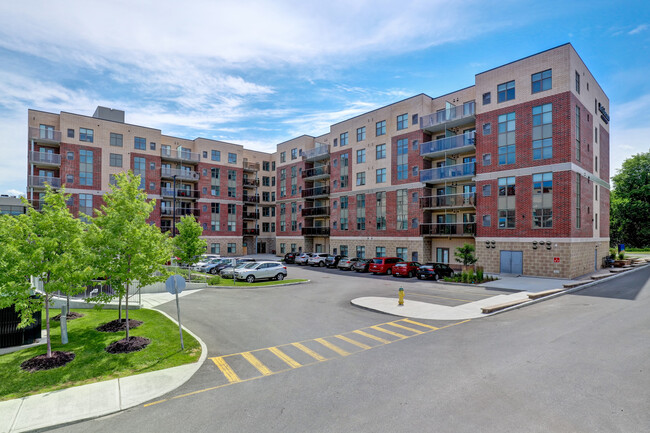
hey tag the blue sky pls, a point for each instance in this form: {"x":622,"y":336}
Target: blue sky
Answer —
{"x":260,"y":72}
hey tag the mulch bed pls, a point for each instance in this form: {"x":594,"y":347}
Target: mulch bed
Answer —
{"x":133,"y":344}
{"x":118,"y":325}
{"x":42,"y":362}
{"x":70,"y":316}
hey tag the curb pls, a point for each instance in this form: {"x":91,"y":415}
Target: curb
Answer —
{"x":258,"y":287}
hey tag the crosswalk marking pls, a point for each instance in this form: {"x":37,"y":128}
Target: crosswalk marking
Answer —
{"x":334,"y":347}
{"x":365,"y":334}
{"x":256,"y":363}
{"x":309,"y":352}
{"x":419,"y":324}
{"x":356,"y":343}
{"x":286,"y":358}
{"x":377,"y":328}
{"x":226,"y":370}
{"x":417,"y":331}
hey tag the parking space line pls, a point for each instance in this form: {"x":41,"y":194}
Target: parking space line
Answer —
{"x":395,"y":334}
{"x":417,"y":331}
{"x":286,"y":358}
{"x":309,"y":352}
{"x":331,"y":346}
{"x":356,"y":343}
{"x":372,"y":337}
{"x":226,"y":370}
{"x":419,"y":324}
{"x":256,"y":363}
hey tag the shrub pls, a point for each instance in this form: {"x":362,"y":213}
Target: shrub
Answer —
{"x":214,"y":281}
{"x":471,"y":278}
{"x":621,"y":255}
{"x":612,"y":253}
{"x":479,"y":275}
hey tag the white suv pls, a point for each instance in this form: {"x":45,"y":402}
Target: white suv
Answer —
{"x":318,"y":259}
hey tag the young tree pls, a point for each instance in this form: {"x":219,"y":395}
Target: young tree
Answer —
{"x":465,"y":255}
{"x":129,"y":249}
{"x":630,"y":202}
{"x":189,"y":246}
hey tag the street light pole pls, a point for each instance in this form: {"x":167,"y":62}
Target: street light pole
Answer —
{"x":174,"y":210}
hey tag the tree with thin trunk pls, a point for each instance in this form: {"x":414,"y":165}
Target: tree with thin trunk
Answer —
{"x":130,"y":251}
{"x":188,"y":244}
{"x":465,"y":255}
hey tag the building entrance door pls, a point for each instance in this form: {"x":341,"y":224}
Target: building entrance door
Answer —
{"x":512,"y":262}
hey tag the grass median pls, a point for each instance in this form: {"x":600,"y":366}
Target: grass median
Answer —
{"x":92,"y":363}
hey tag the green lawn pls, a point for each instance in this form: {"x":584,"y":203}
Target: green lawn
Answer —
{"x":92,"y":363}
{"x":225,"y":282}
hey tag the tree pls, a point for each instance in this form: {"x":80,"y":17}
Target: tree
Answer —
{"x":189,"y":245}
{"x":465,"y":255}
{"x":129,"y":249}
{"x":630,"y":202}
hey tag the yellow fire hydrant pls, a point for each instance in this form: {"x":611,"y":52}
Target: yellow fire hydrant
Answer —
{"x":400,"y":303}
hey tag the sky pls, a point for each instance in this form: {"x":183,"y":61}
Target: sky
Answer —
{"x":258,"y":73}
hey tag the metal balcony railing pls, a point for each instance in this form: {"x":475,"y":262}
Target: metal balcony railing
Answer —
{"x":467,"y":169}
{"x":250,"y":232}
{"x":315,"y":211}
{"x":179,"y":155}
{"x":44,"y":135}
{"x":44,"y":158}
{"x":315,"y":231}
{"x":458,"y":112}
{"x":251,"y":215}
{"x":313,"y":192}
{"x":448,"y":144}
{"x":40,"y":181}
{"x":168,"y":211}
{"x":251,"y":199}
{"x":449,"y":200}
{"x":179,"y":173}
{"x":448,"y":229}
{"x":316,"y":171}
{"x":321,"y":151}
{"x":251,"y":166}
{"x":251,"y":182}
{"x":180,"y":193}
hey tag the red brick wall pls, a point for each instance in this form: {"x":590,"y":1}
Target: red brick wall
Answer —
{"x":586,"y":135}
{"x":603,"y":140}
{"x":335,"y":173}
{"x":603,"y":215}
{"x":72,"y":167}
{"x":414,"y":158}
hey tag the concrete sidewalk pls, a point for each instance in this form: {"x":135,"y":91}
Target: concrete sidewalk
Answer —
{"x":98,"y":399}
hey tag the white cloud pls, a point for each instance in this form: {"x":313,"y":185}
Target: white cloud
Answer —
{"x":638,"y":29}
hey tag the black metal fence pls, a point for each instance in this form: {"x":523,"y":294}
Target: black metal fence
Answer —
{"x":11,"y":335}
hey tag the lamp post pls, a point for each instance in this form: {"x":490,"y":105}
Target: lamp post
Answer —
{"x":174,"y":210}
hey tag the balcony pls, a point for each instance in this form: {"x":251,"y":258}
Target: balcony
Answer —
{"x":465,"y":200}
{"x":48,"y":136}
{"x":448,"y":229}
{"x":456,"y":172}
{"x":319,"y":191}
{"x":45,"y":158}
{"x":250,"y":183}
{"x":169,"y":212}
{"x":251,"y":232}
{"x":251,"y":166}
{"x":183,"y":155}
{"x":315,"y":231}
{"x":166,"y":228}
{"x":457,"y":144}
{"x":320,"y":152}
{"x":449,"y":118}
{"x":251,"y":199}
{"x":319,"y":211}
{"x":40,"y":181}
{"x":180,"y":193}
{"x":179,"y":173}
{"x":316,"y":173}
{"x":251,"y":215}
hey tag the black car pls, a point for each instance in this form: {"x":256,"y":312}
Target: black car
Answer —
{"x":434,"y":271}
{"x":362,"y":265}
{"x":290,"y":258}
{"x":332,"y":261}
{"x":229,"y":263}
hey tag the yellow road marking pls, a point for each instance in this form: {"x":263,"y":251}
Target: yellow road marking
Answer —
{"x":226,"y":370}
{"x":419,"y":324}
{"x":351,"y":341}
{"x":334,"y":347}
{"x":256,"y":363}
{"x":309,"y":352}
{"x":417,"y":331}
{"x":154,"y":402}
{"x":286,"y":358}
{"x":365,"y":334}
{"x":377,"y":328}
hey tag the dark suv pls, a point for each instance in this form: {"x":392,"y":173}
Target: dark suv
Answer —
{"x":383,"y":265}
{"x":333,"y":261}
{"x":290,"y":257}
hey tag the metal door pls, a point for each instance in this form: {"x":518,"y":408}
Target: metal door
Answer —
{"x":512,"y":262}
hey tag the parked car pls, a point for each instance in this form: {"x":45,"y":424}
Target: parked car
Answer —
{"x":383,"y":265}
{"x":302,"y":259}
{"x":229,"y":272}
{"x":345,"y":264}
{"x":261,"y":270}
{"x":208,"y":267}
{"x":434,"y":271}
{"x":229,"y":262}
{"x":317,"y":259}
{"x":290,"y":257}
{"x":405,"y":269}
{"x":332,"y":261}
{"x":204,"y":260}
{"x":361,"y":265}
{"x":443,"y":270}
{"x":202,"y":266}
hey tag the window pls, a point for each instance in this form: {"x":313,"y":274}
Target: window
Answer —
{"x":487,"y":128}
{"x":380,"y":151}
{"x":361,"y":252}
{"x":381,"y":210}
{"x":115,"y":160}
{"x":402,"y":121}
{"x":165,"y":150}
{"x":344,"y":139}
{"x":232,"y":158}
{"x":361,"y":133}
{"x":414,"y":171}
{"x":487,"y":98}
{"x":266,"y":165}
{"x":361,"y":211}
{"x":402,"y":209}
{"x":414,"y":145}
{"x":487,"y":220}
{"x":152,"y":145}
{"x":266,"y":227}
{"x":577,"y":133}
{"x":506,"y":91}
{"x":336,"y":142}
{"x":232,"y":248}
{"x":232,"y":217}
{"x":215,"y":248}
{"x":596,"y":163}
{"x":272,"y":165}
{"x":487,"y":190}
{"x":215,"y":155}
{"x":596,"y":192}
{"x":69,"y":178}
{"x":380,"y":252}
{"x":294,"y":153}
{"x":401,"y":253}
{"x":487,"y":159}
{"x":361,"y":156}
{"x":266,"y":181}
{"x":402,"y":159}
{"x":294,"y":180}
{"x":414,"y":119}
{"x":70,"y":133}
{"x":344,"y":213}
{"x":205,"y":153}
{"x":344,"y":170}
{"x":578,"y":194}
{"x":232,"y":183}
{"x":86,"y":168}
{"x":283,"y":182}
{"x":266,"y":196}
{"x":595,"y":134}
{"x":214,"y":217}
{"x":380,"y":128}
{"x":543,"y":131}
{"x":381,"y":175}
{"x":140,"y":143}
{"x":86,"y":135}
{"x":86,"y":204}
{"x":214,"y":181}
{"x":361,"y":178}
{"x":541,"y":81}
{"x":115,"y":140}
{"x":543,"y":200}
{"x":344,"y":250}
{"x":577,"y":82}
{"x":507,"y":138}
{"x":283,"y":157}
{"x":506,"y":202}
{"x":70,"y":156}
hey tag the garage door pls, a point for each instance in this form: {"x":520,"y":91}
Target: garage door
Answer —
{"x":512,"y":262}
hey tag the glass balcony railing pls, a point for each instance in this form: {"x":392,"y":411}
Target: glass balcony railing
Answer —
{"x":321,"y":151}
{"x":40,"y":181}
{"x":251,"y":166}
{"x":179,"y":173}
{"x":315,"y":231}
{"x":315,"y":211}
{"x":316,"y":171}
{"x":46,"y":135}
{"x":46,"y":158}
{"x":448,"y":143}
{"x":448,"y":229}
{"x":449,"y":200}
{"x":313,"y":192}
{"x":169,"y":211}
{"x":467,"y":169}
{"x":251,"y":199}
{"x":180,"y":193}
{"x":251,"y":215}
{"x":179,"y":155}
{"x":250,"y":183}
{"x":458,"y":112}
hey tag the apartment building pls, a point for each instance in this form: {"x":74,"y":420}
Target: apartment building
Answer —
{"x":516,"y":164}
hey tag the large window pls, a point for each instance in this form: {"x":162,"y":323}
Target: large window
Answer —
{"x":344,"y":250}
{"x":402,"y":159}
{"x":215,"y":155}
{"x":294,"y":180}
{"x":345,"y":170}
{"x":402,"y":209}
{"x":361,"y":211}
{"x":214,"y":217}
{"x":86,"y":134}
{"x":578,"y":199}
{"x":344,"y":139}
{"x":578,"y":82}
{"x":541,"y":81}
{"x":506,"y":91}
{"x":543,"y":131}
{"x":380,"y":151}
{"x":402,"y":121}
{"x":380,"y":251}
{"x":294,"y":216}
{"x":232,"y":217}
{"x":343,"y":220}
{"x":577,"y":133}
{"x":361,"y":178}
{"x":380,"y":128}
{"x":86,"y":204}
{"x":543,"y":200}
{"x":506,"y":202}
{"x":507,"y":126}
{"x":115,"y":160}
{"x":294,"y":153}
{"x":283,"y":182}
{"x":215,"y":248}
{"x":283,"y":157}
{"x":140,"y":143}
{"x":232,"y":158}
{"x":361,"y":133}
{"x":401,"y":253}
{"x":86,"y":168}
{"x":232,"y":183}
{"x":116,"y":139}
{"x":381,"y":175}
{"x":361,"y":156}
{"x":381,"y":210}
{"x":215,"y":181}
{"x":361,"y":252}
